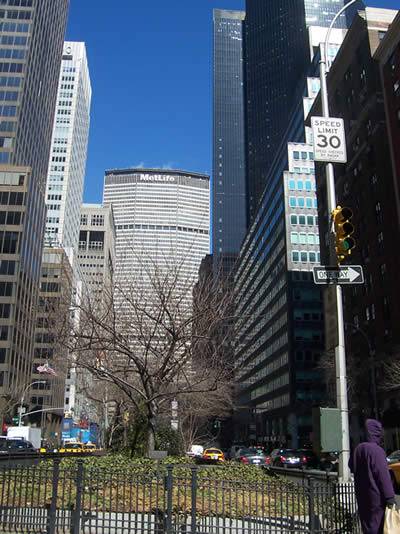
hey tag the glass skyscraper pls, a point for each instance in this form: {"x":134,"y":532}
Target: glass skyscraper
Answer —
{"x":229,"y":179}
{"x":31,"y":42}
{"x":277,"y":54}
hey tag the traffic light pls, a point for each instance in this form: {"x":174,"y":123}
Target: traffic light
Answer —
{"x":343,"y":230}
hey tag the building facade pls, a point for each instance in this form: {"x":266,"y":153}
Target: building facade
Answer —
{"x":31,"y":41}
{"x":280,"y":312}
{"x":276,"y":61}
{"x":96,"y":264}
{"x":64,"y":188}
{"x":229,"y":178}
{"x":161,"y":217}
{"x":367,"y":184}
{"x":54,"y":304}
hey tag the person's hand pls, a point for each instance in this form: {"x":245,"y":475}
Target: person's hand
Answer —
{"x":390,"y":503}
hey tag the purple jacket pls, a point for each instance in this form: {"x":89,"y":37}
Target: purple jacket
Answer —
{"x":372,"y":481}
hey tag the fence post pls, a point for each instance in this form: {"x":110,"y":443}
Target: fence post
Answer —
{"x":194,"y":500}
{"x":311,"y":506}
{"x":169,"y":488}
{"x":52,"y":511}
{"x":77,"y":512}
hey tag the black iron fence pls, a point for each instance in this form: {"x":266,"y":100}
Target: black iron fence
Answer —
{"x":52,"y":497}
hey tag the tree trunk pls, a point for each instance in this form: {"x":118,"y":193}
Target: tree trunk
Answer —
{"x":151,"y":439}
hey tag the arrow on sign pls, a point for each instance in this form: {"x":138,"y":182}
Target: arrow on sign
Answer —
{"x":352,"y":274}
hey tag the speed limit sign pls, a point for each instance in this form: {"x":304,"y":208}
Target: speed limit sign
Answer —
{"x":329,"y":139}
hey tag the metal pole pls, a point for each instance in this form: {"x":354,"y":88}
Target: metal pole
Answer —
{"x":23,"y":398}
{"x":340,"y":353}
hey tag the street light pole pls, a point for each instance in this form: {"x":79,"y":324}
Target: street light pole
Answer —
{"x":340,"y":352}
{"x":23,"y":398}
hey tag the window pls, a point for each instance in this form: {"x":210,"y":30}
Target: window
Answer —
{"x":310,"y":220}
{"x":304,"y":155}
{"x":303,"y":239}
{"x":296,"y":154}
{"x":292,"y":202}
{"x":378,"y":212}
{"x":310,"y":239}
{"x":312,"y":256}
{"x":309,"y":202}
{"x":293,"y":219}
{"x":292,"y":185}
{"x":300,"y":185}
{"x":294,"y":238}
{"x":302,"y":220}
{"x":295,"y":256}
{"x":98,"y":220}
{"x":315,"y":203}
{"x":300,"y":202}
{"x":304,"y":256}
{"x":308,"y":186}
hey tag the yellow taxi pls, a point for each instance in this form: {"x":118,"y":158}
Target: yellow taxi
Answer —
{"x":72,"y":448}
{"x":89,"y":447}
{"x":213,"y":455}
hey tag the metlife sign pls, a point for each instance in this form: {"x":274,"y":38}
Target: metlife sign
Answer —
{"x":329,"y":139}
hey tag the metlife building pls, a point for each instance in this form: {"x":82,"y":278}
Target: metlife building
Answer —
{"x":162,"y":217}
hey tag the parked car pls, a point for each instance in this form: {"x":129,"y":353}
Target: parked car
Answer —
{"x":196,"y":451}
{"x":234,"y":450}
{"x":15,"y":445}
{"x":293,"y":458}
{"x":394,"y":457}
{"x":89,"y":447}
{"x":253,"y":456}
{"x":213,"y":455}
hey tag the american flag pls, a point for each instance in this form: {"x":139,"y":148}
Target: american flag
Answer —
{"x":45,"y":369}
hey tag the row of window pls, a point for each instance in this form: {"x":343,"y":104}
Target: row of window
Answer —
{"x":301,"y":185}
{"x":11,"y":198}
{"x":13,"y":27}
{"x":304,"y":239}
{"x":304,"y":220}
{"x":8,"y":111}
{"x":304,"y":170}
{"x":303,"y":154}
{"x":301,"y":202}
{"x":7,"y":126}
{"x":305,"y":257}
{"x":9,"y":95}
{"x":18,"y":40}
{"x":12,"y":53}
{"x":11,"y":217}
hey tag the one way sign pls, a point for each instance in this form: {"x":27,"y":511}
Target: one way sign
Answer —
{"x":351,"y":274}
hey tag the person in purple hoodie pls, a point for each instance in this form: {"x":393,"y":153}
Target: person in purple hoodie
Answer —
{"x":374,"y":488}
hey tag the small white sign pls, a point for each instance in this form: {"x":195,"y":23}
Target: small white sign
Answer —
{"x":329,"y":139}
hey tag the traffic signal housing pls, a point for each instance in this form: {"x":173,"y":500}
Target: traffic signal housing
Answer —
{"x":344,"y":229}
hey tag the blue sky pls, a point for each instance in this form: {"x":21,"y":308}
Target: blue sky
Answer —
{"x":150,"y":66}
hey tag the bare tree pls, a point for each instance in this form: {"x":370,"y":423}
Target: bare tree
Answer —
{"x":152,"y":341}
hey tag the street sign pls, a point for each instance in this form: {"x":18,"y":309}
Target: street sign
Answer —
{"x":350,"y":274}
{"x":329,"y":139}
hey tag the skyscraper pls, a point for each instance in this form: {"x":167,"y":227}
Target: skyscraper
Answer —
{"x":162,"y":217}
{"x":31,"y":41}
{"x":229,"y":179}
{"x":67,"y":165}
{"x":64,"y":191}
{"x":276,"y":57}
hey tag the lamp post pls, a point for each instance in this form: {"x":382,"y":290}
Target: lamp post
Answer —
{"x":340,"y":352}
{"x":23,"y":398}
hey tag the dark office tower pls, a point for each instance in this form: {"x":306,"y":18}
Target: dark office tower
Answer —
{"x":229,"y":179}
{"x":322,"y":12}
{"x":31,"y":43}
{"x":276,"y":56}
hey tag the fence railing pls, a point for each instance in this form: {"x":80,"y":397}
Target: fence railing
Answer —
{"x":52,"y":498}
